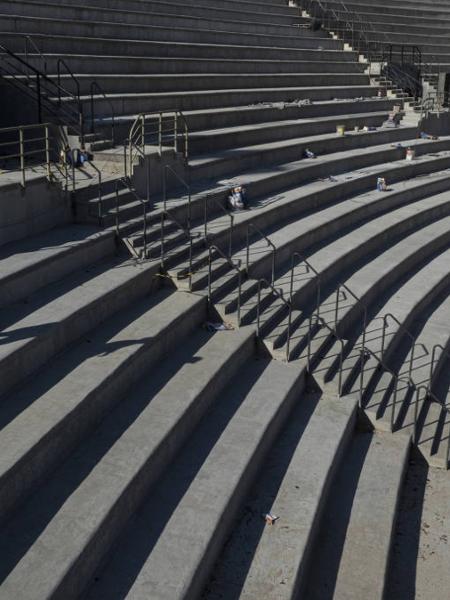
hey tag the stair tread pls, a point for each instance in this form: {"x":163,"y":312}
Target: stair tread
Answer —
{"x":360,"y":519}
{"x":168,"y":413}
{"x":211,"y":484}
{"x":66,"y":386}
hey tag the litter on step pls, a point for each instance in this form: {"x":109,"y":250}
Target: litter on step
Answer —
{"x":218,"y":326}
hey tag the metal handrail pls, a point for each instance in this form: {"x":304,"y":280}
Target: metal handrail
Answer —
{"x":269,"y":243}
{"x":186,"y":185}
{"x":126,"y":183}
{"x":308,"y":267}
{"x":23,"y":153}
{"x":429,"y":394}
{"x":227,"y":214}
{"x":40,"y":78}
{"x":77,"y":97}
{"x":413,"y":338}
{"x":29,"y":40}
{"x":139,"y":130}
{"x":100,"y":193}
{"x":94,"y":85}
{"x":433,"y":357}
{"x":338,"y":338}
{"x":233,"y":265}
{"x":280,"y":295}
{"x":395,"y":376}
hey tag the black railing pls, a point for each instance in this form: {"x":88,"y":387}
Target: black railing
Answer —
{"x":53,"y":100}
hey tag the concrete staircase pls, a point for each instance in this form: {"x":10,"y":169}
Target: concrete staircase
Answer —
{"x":139,"y":450}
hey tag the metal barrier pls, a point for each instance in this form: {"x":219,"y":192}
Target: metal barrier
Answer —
{"x":334,"y":333}
{"x":233,"y":265}
{"x":40,"y":148}
{"x":127,"y":185}
{"x":263,"y":236}
{"x":433,"y":357}
{"x":279,"y":294}
{"x":95,"y":86}
{"x":51,"y":97}
{"x":227,"y":213}
{"x":429,"y":395}
{"x":386,"y":318}
{"x":309,"y":267}
{"x":158,"y":129}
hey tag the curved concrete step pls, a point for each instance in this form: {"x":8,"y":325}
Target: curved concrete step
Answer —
{"x":214,"y":475}
{"x":352,"y":553}
{"x":45,"y":419}
{"x":33,"y":332}
{"x":34,"y":262}
{"x":273,"y":561}
{"x":106,"y":479}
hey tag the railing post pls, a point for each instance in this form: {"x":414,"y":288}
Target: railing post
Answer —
{"x":39,"y":99}
{"x":22,"y":155}
{"x":142,"y":135}
{"x":47,"y":151}
{"x":361,"y":376}
{"x":160,"y":125}
{"x":394,"y":402}
{"x":248,"y":249}
{"x":175,"y":132}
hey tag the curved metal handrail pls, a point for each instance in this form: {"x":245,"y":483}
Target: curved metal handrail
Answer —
{"x":94,"y":85}
{"x":234,"y":265}
{"x":269,"y":243}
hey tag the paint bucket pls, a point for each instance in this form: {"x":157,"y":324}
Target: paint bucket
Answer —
{"x":340,"y":129}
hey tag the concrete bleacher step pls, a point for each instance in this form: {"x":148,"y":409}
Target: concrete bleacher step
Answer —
{"x":30,"y":264}
{"x":273,"y":561}
{"x":213,"y":474}
{"x":57,"y":315}
{"x":110,"y":64}
{"x":152,"y":10}
{"x":217,"y":139}
{"x":157,"y":417}
{"x":336,"y":257}
{"x":46,"y":417}
{"x":352,"y":553}
{"x":159,"y":83}
{"x":104,"y":45}
{"x":188,"y":31}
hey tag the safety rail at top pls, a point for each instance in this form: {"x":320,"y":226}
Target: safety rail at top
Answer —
{"x":30,"y":146}
{"x":375,"y":45}
{"x":161,"y":130}
{"x":54,"y":101}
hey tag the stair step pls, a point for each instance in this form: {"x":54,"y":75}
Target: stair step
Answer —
{"x":213,"y":475}
{"x":293,"y":486}
{"x":133,"y":447}
{"x":359,"y":520}
{"x":49,"y":415}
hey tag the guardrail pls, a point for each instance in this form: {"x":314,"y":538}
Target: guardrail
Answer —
{"x":429,"y":394}
{"x":160,"y":130}
{"x":95,"y":86}
{"x":233,"y":265}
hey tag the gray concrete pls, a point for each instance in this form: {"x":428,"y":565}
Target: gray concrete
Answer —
{"x":352,"y":553}
{"x":137,"y":451}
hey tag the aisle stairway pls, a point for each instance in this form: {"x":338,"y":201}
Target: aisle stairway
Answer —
{"x":140,"y":449}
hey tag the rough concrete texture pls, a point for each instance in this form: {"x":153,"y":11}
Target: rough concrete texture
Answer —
{"x":421,"y":549}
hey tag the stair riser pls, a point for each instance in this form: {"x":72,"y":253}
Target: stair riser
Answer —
{"x":277,"y":133}
{"x":200,"y":83}
{"x":30,"y":357}
{"x":104,"y":45}
{"x":164,"y":33}
{"x":17,"y":483}
{"x":353,"y":317}
{"x":307,"y":294}
{"x":295,"y":152}
{"x":119,"y":65}
{"x":158,"y":14}
{"x":254,"y":464}
{"x":129,"y":502}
